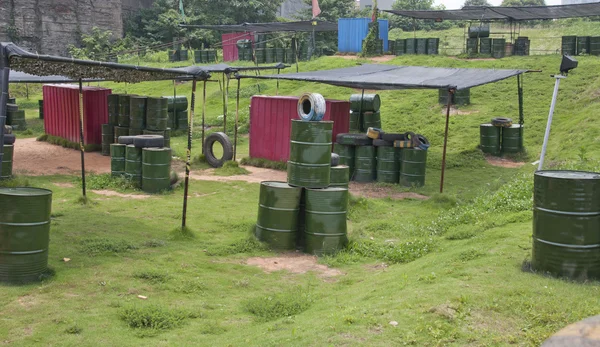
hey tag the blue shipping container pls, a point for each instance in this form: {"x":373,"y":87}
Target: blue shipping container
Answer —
{"x":352,"y":31}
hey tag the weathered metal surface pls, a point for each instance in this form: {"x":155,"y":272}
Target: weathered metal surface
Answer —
{"x":113,"y":109}
{"x":123,"y":118}
{"x":16,"y":119}
{"x":371,"y":120}
{"x":120,"y":131}
{"x":7,"y":162}
{"x":433,"y":45}
{"x":230,"y":49}
{"x":156,"y":169}
{"x":117,"y":159}
{"x":181,"y":120}
{"x":310,"y":154}
{"x":347,"y":155}
{"x":340,"y":175}
{"x":135,"y":132}
{"x":585,"y":333}
{"x":157,"y":113}
{"x":412,"y":172}
{"x":166,"y":134}
{"x":177,"y":103}
{"x":512,"y":139}
{"x":326,"y":229}
{"x":569,"y":45}
{"x":498,"y":48}
{"x":370,"y":103}
{"x":108,"y":137}
{"x":421,"y":46}
{"x":365,"y":164}
{"x":583,"y":45}
{"x":133,"y":164}
{"x":595,"y":45}
{"x":485,"y":46}
{"x":137,"y":112}
{"x":566,"y":221}
{"x":489,"y":141}
{"x":24,"y":233}
{"x":355,"y":125}
{"x":278,"y":210}
{"x":388,"y":165}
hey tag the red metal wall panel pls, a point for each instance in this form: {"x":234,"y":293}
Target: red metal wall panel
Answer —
{"x":271,"y":121}
{"x":61,"y":112}
{"x":228,"y":41}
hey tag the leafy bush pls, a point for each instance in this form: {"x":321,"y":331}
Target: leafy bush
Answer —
{"x":106,"y":181}
{"x":264,"y":163}
{"x":55,"y":140}
{"x":231,"y":168}
{"x":285,"y":304}
{"x":152,"y":317}
{"x":390,"y":252}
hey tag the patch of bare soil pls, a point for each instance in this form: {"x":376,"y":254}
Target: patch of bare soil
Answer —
{"x":381,"y":59}
{"x":41,"y":158}
{"x":371,"y":191}
{"x":121,"y":195}
{"x":256,"y":175}
{"x":64,"y":184}
{"x":27,"y":301}
{"x":456,"y":112}
{"x":293,"y":262}
{"x":501,"y":162}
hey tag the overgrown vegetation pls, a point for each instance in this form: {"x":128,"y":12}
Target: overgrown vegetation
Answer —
{"x":280,"y":305}
{"x":264,"y":163}
{"x":106,"y":181}
{"x":100,"y":246}
{"x":153,"y":317}
{"x":55,"y":140}
{"x":231,"y":168}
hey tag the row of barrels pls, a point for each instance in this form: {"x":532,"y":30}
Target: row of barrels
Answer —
{"x":578,"y":45}
{"x":496,"y":48}
{"x":268,"y":55}
{"x":205,"y":56}
{"x":364,"y":112}
{"x":429,"y":46}
{"x":176,"y":55}
{"x":497,"y":140}
{"x":15,"y":117}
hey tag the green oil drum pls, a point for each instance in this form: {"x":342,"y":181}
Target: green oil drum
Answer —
{"x":279,"y":55}
{"x":133,"y":164}
{"x":412,"y":172}
{"x":472,"y":46}
{"x":569,"y":45}
{"x":278,"y":210}
{"x":198,"y":57}
{"x":183,"y":55}
{"x":595,"y":45}
{"x":400,"y":47}
{"x":123,"y":117}
{"x":269,"y":55}
{"x":137,"y":112}
{"x":117,"y":159}
{"x":411,"y":46}
{"x":522,"y":45}
{"x":421,"y":46}
{"x":388,"y":166}
{"x":173,"y":55}
{"x":583,"y":45}
{"x":498,"y":48}
{"x":512,"y":139}
{"x":489,"y":139}
{"x":365,"y":164}
{"x":290,"y":57}
{"x":566,"y":220}
{"x":355,"y":122}
{"x":171,"y":120}
{"x":157,"y":116}
{"x":24,"y":233}
{"x":443,"y":96}
{"x":371,"y":120}
{"x":12,"y":101}
{"x":120,"y":131}
{"x":156,"y":169}
{"x":177,"y":103}
{"x":113,"y":109}
{"x":7,"y":162}
{"x":325,"y":230}
{"x":370,"y":102}
{"x":41,"y":108}
{"x":108,"y":137}
{"x":340,"y":176}
{"x":165,"y":134}
{"x":182,"y":120}
{"x":310,"y":154}
{"x":211,"y":56}
{"x":260,"y":55}
{"x":462,"y":97}
{"x":485,"y":45}
{"x":16,"y":119}
{"x":347,"y":155}
{"x":433,"y":46}
{"x":135,"y":132}
{"x":205,"y":57}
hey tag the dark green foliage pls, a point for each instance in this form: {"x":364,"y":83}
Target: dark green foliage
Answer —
{"x":55,"y":140}
{"x":407,"y":24}
{"x":151,"y":276}
{"x":106,"y":181}
{"x":523,"y":3}
{"x":231,"y":168}
{"x":247,"y":245}
{"x":152,"y":317}
{"x":285,"y":304}
{"x":74,"y":329}
{"x":93,"y":247}
{"x":391,"y":252}
{"x":268,"y":164}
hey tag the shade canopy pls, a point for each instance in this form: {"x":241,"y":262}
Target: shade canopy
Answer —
{"x":22,"y":77}
{"x":224,"y":68}
{"x":392,"y":77}
{"x":512,"y":13}
{"x":271,"y":27}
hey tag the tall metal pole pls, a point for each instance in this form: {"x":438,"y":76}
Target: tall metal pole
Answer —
{"x":4,"y":74}
{"x":81,"y":147}
{"x":449,"y":103}
{"x":549,"y":124}
{"x":189,"y":154}
{"x":223,"y":91}
{"x":277,"y":90}
{"x":203,"y":113}
{"x":237,"y":115}
{"x":226,"y":105}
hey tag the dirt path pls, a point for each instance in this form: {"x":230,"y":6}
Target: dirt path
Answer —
{"x":501,"y":162}
{"x":382,"y":59}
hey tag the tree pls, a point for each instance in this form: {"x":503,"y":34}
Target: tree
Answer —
{"x":476,"y":3}
{"x":331,"y":10}
{"x":407,"y":24}
{"x":523,"y":3}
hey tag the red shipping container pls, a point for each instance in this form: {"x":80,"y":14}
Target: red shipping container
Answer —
{"x":271,"y":124}
{"x":228,"y":41}
{"x":61,"y":112}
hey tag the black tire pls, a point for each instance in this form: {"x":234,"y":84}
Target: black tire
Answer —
{"x":125,"y":140}
{"x":148,"y":141}
{"x":423,"y":142}
{"x":335,"y":159}
{"x":353,"y":139}
{"x":9,"y":139}
{"x":223,"y":139}
{"x":383,"y":143}
{"x":12,"y":107}
{"x":502,"y":122}
{"x":393,"y":137}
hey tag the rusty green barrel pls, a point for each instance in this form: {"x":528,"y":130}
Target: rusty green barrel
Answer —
{"x":498,"y":48}
{"x":137,"y":112}
{"x":113,"y":109}
{"x":157,"y":116}
{"x":133,"y":164}
{"x":512,"y":139}
{"x":569,"y":45}
{"x":108,"y":137}
{"x":156,"y":169}
{"x":388,"y":165}
{"x":355,"y":122}
{"x":566,"y":224}
{"x":583,"y":45}
{"x":24,"y":233}
{"x":371,"y":120}
{"x":41,"y":109}
{"x":339,"y":177}
{"x":120,"y":131}
{"x":278,"y":210}
{"x":177,"y":103}
{"x":421,"y":46}
{"x":365,"y":164}
{"x":489,"y":139}
{"x":347,"y":154}
{"x":117,"y":159}
{"x":135,"y":132}
{"x":7,"y":162}
{"x":410,"y":46}
{"x":310,"y":154}
{"x":16,"y":119}
{"x":412,"y":172}
{"x":123,"y":117}
{"x":166,"y":134}
{"x":370,"y":103}
{"x":325,"y":217}
{"x":181,"y":120}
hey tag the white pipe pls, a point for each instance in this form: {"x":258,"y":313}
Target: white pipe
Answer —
{"x":549,"y":124}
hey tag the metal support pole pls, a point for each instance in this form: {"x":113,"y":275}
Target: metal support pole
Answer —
{"x":226,"y":104}
{"x":277,"y":90}
{"x":27,"y":90}
{"x":237,"y":115}
{"x":81,"y":147}
{"x":189,"y":154}
{"x":223,"y":91}
{"x":449,"y":103}
{"x":203,"y":114}
{"x":549,"y":124}
{"x":4,"y":74}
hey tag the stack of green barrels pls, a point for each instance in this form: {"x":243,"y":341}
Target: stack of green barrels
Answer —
{"x":14,"y":116}
{"x":459,"y":97}
{"x":178,"y":112}
{"x":178,"y":55}
{"x":428,"y":46}
{"x":364,"y":112}
{"x":501,"y":137}
{"x":131,"y":115}
{"x":309,"y":211}
{"x":205,"y":56}
{"x":147,"y":166}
